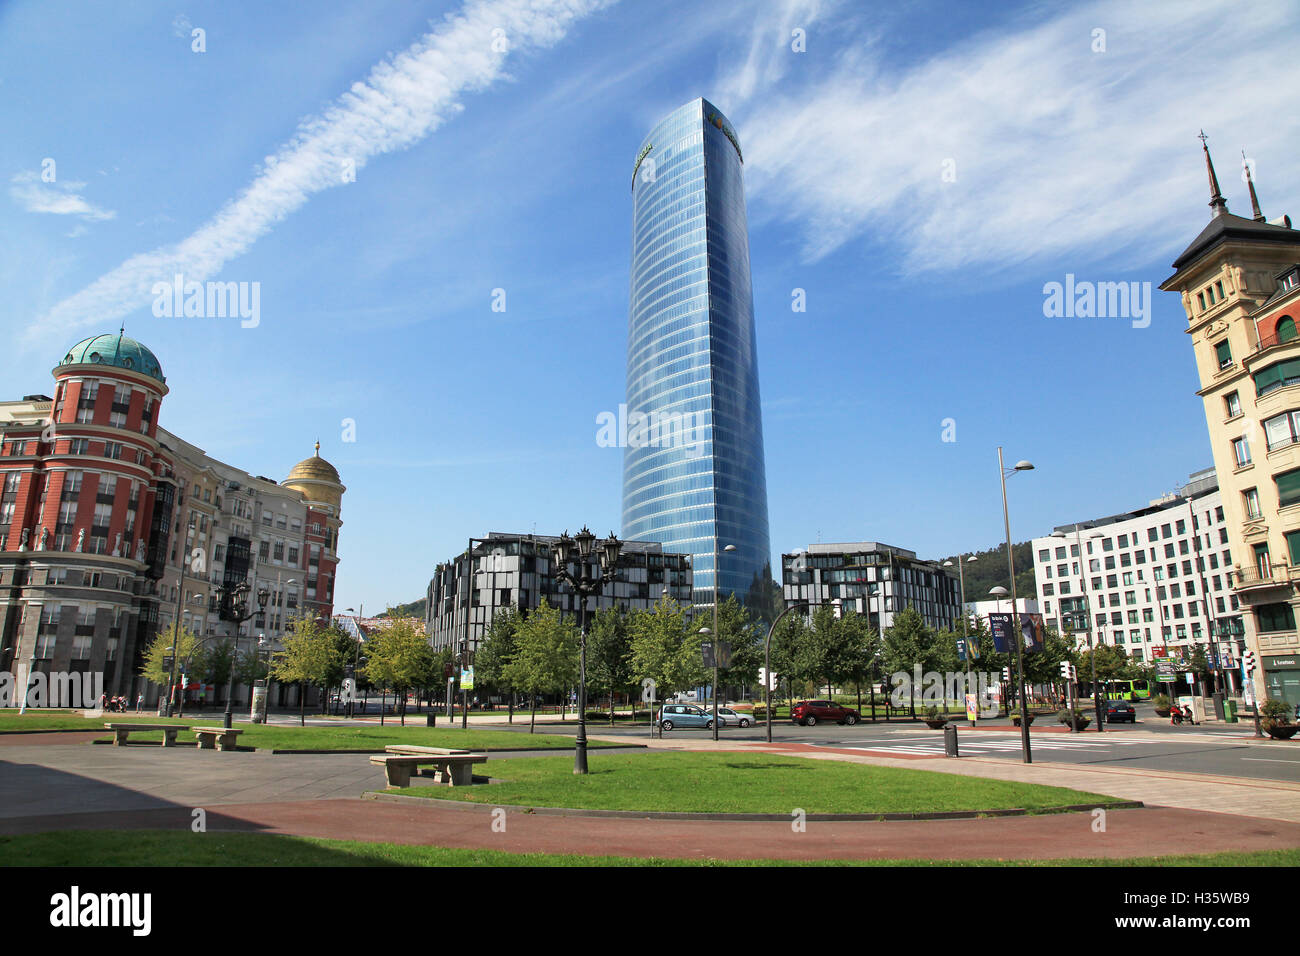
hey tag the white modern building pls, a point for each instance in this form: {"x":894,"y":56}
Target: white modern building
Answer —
{"x":1150,"y":578}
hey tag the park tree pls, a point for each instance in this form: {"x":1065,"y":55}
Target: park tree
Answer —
{"x":666,"y":648}
{"x":740,"y":627}
{"x":309,"y":657}
{"x":787,"y":661}
{"x":609,"y":654}
{"x":220,"y":659}
{"x":187,"y":647}
{"x":908,"y":643}
{"x":495,"y":652}
{"x":546,"y":656}
{"x":399,"y":657}
{"x":862,"y":651}
{"x":826,"y":649}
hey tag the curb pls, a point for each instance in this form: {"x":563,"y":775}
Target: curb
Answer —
{"x":750,"y":817}
{"x":541,"y":752}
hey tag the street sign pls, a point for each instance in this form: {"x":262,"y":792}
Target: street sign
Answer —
{"x":648,"y":691}
{"x":707,"y":649}
{"x":1165,"y":671}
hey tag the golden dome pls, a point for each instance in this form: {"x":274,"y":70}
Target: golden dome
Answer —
{"x":314,"y":468}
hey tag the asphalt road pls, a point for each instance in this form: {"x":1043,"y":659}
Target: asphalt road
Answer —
{"x":1151,"y":744}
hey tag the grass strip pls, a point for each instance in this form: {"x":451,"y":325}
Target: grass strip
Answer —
{"x":182,"y":848}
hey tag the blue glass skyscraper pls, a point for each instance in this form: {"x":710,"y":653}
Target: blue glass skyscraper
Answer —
{"x":693,"y":469}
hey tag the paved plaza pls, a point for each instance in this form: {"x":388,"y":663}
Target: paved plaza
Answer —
{"x":61,"y":781}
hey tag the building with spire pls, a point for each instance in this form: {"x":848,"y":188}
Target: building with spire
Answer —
{"x":1240,"y":286}
{"x":112,"y":527}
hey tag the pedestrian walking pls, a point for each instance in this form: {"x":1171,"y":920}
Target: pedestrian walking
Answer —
{"x":139,"y":702}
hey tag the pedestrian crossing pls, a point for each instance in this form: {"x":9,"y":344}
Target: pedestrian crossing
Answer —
{"x":996,"y":745}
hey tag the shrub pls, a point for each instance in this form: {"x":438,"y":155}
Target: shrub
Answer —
{"x":1081,"y":719}
{"x":1161,"y":701}
{"x":1278,"y":710}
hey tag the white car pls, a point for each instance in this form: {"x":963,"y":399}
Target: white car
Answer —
{"x":729,"y":717}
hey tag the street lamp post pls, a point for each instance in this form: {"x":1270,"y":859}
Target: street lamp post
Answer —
{"x":717,"y":598}
{"x":1087,"y":617}
{"x":767,"y":667}
{"x":356,"y":659}
{"x":176,"y":628}
{"x":1015,"y":626}
{"x":235,"y":609}
{"x":1205,"y":600}
{"x":965,"y":632}
{"x":584,"y":584}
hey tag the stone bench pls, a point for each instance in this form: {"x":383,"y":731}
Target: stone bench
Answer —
{"x":223,"y":738}
{"x":414,"y":750}
{"x":122,"y":731}
{"x":456,"y":770}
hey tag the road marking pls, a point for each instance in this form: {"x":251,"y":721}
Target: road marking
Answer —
{"x":1271,"y":760}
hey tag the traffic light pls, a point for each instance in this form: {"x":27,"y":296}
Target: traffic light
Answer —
{"x":1006,"y":675}
{"x":1249,"y":660}
{"x":1065,"y":669}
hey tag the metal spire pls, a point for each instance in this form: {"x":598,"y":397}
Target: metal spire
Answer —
{"x":1250,"y":181}
{"x":1217,"y":202}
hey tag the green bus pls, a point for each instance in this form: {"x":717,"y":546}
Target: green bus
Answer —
{"x":1118,"y":689}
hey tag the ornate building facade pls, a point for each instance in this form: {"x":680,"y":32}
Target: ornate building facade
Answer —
{"x":101,"y":510}
{"x":1238,"y":281}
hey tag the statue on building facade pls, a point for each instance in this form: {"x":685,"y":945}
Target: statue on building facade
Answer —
{"x":81,"y":539}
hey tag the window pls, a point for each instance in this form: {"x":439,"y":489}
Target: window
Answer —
{"x":1275,"y":617}
{"x":1251,"y":497}
{"x":1262,"y":564}
{"x":1044,"y":555}
{"x":1060,"y":554}
{"x":1282,"y":430}
{"x":1277,"y":376}
{"x":1223,"y":354}
{"x":1286,"y":329}
{"x":1241,"y":451}
{"x":1288,"y":488}
{"x":1218,"y":291}
{"x":112,"y":449}
{"x":1232,"y":404}
{"x":1166,"y":531}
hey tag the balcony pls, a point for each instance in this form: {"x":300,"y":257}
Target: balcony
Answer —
{"x":1246,"y":579}
{"x":1273,"y":341}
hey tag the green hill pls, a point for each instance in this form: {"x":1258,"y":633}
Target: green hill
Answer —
{"x":989,"y":570}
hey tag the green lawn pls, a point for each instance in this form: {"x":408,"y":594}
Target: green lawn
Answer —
{"x":183,"y":848}
{"x":745,"y":783}
{"x":371,"y":736}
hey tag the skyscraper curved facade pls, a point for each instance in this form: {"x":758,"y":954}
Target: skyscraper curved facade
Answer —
{"x":693,"y":469}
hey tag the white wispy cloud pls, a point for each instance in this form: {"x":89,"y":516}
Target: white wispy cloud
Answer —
{"x":403,"y":100}
{"x":1057,"y":149}
{"x":57,"y":198}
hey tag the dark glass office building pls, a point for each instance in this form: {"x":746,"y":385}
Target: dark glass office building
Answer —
{"x":693,"y":472}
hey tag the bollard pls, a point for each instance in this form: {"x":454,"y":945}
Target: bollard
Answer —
{"x":950,"y":741}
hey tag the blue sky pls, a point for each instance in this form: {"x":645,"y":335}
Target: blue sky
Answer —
{"x":481,"y":168}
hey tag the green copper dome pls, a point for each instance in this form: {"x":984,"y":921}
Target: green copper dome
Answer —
{"x":117,"y":350}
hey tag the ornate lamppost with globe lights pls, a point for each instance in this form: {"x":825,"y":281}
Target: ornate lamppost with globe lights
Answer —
{"x":586,"y":582}
{"x":234,"y":608}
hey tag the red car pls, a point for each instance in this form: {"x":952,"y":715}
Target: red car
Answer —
{"x":807,"y":713}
